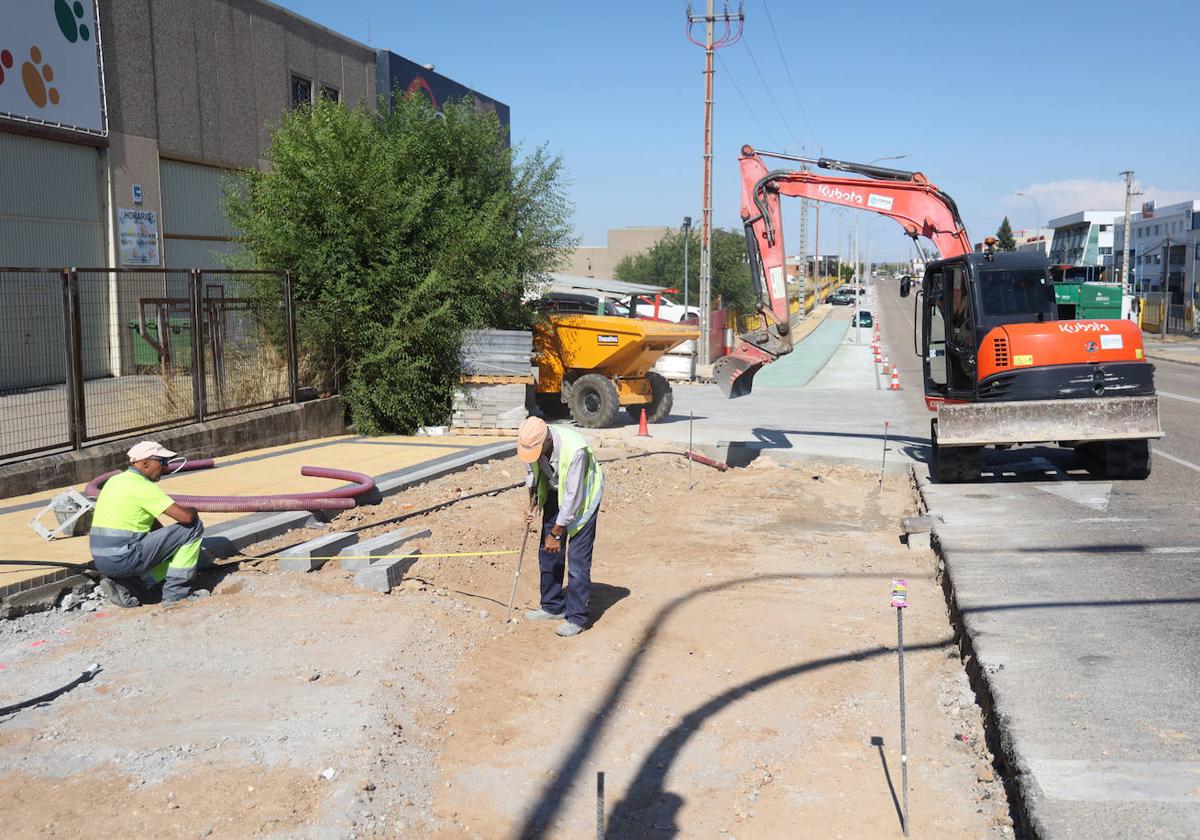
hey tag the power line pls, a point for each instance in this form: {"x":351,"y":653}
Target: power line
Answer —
{"x":767,"y":91}
{"x":745,"y":101}
{"x":788,"y":70}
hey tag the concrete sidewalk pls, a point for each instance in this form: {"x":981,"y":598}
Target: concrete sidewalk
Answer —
{"x":1172,"y":348}
{"x":29,"y":563}
{"x":825,"y":401}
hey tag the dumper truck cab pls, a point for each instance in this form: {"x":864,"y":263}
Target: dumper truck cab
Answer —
{"x":1002,"y":368}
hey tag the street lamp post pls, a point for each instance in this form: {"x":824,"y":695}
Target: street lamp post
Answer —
{"x":1037,"y":210}
{"x":687,"y":235}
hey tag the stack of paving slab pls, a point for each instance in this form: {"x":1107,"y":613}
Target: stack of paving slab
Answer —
{"x":496,"y":372}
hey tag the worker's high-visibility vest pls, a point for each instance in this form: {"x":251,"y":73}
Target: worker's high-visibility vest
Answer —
{"x":569,"y":443}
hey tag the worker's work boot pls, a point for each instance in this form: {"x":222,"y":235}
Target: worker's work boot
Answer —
{"x":568,"y":628}
{"x":542,"y":615}
{"x":117,"y":593}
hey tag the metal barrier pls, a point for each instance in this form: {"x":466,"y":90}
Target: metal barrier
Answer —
{"x":97,"y":353}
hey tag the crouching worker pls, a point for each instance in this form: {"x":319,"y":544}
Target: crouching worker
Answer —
{"x":129,"y":547}
{"x":566,"y":482}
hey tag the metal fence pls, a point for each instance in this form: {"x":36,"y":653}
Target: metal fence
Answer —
{"x":98,"y":353}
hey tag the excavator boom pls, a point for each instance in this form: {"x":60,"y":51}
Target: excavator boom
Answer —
{"x":918,"y":206}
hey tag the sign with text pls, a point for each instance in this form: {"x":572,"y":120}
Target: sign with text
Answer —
{"x":49,"y":67}
{"x":138,"y":232}
{"x":899,"y":593}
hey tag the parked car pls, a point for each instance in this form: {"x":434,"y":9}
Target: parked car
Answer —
{"x":862,"y":318}
{"x":841,"y":299}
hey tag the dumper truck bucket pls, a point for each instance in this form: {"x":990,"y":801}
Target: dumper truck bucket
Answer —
{"x":735,"y":373}
{"x":1040,"y":421}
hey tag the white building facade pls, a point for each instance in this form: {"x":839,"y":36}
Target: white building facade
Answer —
{"x":1084,"y":238}
{"x":1165,"y":241}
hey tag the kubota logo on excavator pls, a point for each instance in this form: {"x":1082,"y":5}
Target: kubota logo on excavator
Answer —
{"x":1077,"y":327}
{"x":838,"y":194}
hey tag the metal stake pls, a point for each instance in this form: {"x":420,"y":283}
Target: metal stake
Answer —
{"x":513,"y":596}
{"x":883,"y":465}
{"x":900,"y":601}
{"x":691,"y":419}
{"x":600,"y":805}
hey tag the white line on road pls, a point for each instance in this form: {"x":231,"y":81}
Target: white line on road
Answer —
{"x":1179,"y":461}
{"x":1176,"y":549}
{"x":1179,"y":397}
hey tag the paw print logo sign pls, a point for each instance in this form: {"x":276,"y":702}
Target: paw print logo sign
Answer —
{"x":49,"y":68}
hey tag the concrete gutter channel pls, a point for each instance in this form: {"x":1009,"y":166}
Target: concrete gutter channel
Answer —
{"x":1009,"y":763}
{"x":228,"y":538}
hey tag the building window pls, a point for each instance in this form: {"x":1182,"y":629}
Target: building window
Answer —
{"x":1103,"y":228}
{"x":1105,"y":251}
{"x":301,"y":91}
{"x":331,"y":93}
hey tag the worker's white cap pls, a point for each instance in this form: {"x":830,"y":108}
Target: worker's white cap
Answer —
{"x":149,"y":449}
{"x":530,"y":438}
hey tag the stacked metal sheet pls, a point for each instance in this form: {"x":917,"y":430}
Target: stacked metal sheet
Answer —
{"x":497,"y":373}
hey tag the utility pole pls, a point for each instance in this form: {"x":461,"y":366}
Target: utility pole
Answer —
{"x":733,"y":31}
{"x":816,"y":258}
{"x":1127,"y":259}
{"x":687,"y":236}
{"x":803,"y":273}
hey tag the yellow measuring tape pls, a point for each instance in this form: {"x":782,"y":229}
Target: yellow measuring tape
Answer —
{"x":418,"y":554}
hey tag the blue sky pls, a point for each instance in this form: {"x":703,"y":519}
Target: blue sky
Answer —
{"x":1051,"y":99}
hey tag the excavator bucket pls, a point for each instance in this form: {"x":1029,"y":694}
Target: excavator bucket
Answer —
{"x":1038,"y":421}
{"x":735,"y":373}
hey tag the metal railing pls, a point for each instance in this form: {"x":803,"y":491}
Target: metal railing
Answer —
{"x":92,"y":354}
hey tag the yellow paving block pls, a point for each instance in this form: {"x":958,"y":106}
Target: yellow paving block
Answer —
{"x":24,"y":556}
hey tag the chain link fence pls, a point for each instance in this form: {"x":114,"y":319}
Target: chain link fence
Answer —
{"x":93,"y":354}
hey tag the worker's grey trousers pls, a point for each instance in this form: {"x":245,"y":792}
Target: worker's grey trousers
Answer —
{"x":128,"y":554}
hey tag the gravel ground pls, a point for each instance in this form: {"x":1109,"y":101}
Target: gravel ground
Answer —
{"x":293,"y":705}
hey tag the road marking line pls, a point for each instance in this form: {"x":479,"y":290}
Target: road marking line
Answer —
{"x":1179,"y":397}
{"x":1179,"y":461}
{"x":1181,"y":549}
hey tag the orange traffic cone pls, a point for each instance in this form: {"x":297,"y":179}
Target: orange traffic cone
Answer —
{"x":895,"y":386}
{"x":643,"y":429}
{"x":885,"y":365}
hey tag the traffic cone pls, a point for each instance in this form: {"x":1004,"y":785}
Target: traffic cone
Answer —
{"x":885,"y":365}
{"x":895,"y":386}
{"x":643,"y":429}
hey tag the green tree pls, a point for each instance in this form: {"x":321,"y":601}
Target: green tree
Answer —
{"x":402,"y":230}
{"x":662,"y":265}
{"x":1004,"y":237}
{"x":846,"y":272}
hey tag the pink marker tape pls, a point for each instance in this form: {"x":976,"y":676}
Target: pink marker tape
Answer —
{"x":899,"y":593}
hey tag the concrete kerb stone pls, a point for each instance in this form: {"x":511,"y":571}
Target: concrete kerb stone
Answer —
{"x":300,"y":558}
{"x":382,"y":575}
{"x":379,"y":546}
{"x":228,"y":538}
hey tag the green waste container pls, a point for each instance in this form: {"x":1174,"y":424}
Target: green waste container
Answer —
{"x":180,"y":341}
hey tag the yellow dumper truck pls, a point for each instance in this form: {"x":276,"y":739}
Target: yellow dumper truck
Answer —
{"x":598,"y":364}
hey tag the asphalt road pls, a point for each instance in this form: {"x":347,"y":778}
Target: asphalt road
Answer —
{"x":1082,"y":600}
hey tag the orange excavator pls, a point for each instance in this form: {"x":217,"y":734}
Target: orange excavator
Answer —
{"x":1000,"y":368}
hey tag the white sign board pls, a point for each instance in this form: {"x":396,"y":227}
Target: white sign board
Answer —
{"x":49,"y":66}
{"x":138,"y":230}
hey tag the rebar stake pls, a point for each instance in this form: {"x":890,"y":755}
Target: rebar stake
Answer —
{"x":900,"y":602}
{"x":883,"y":465}
{"x":691,"y":419}
{"x":600,"y":805}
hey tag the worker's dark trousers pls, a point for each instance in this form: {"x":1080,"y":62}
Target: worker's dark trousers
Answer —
{"x":574,"y":598}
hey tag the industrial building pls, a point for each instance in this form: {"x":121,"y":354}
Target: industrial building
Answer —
{"x":120,"y":125}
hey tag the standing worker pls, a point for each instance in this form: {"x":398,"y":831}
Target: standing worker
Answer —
{"x":124,"y":547}
{"x":566,"y":482}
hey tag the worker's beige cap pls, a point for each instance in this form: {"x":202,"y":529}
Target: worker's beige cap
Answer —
{"x":149,"y":449}
{"x":530,"y":438}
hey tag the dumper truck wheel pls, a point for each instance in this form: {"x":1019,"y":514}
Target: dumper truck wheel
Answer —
{"x":953,"y":464}
{"x":594,"y":401}
{"x":659,"y":407}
